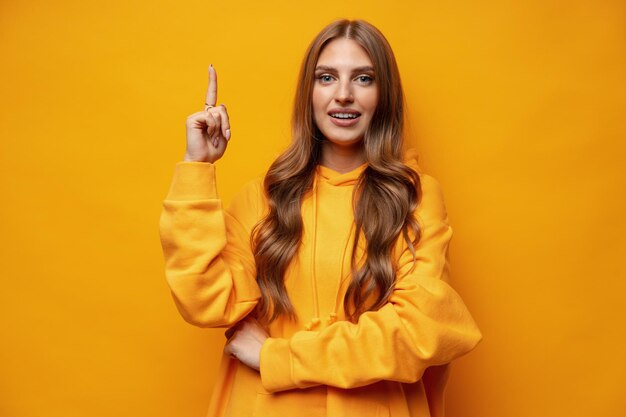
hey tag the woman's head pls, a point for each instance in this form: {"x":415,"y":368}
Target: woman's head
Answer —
{"x":382,"y":130}
{"x":345,"y":95}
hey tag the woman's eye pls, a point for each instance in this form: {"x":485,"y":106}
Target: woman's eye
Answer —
{"x":364,"y":79}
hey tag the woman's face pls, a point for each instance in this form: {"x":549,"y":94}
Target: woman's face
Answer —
{"x":345,"y":92}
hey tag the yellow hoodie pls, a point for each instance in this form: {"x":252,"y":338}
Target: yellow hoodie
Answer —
{"x":393,"y":362}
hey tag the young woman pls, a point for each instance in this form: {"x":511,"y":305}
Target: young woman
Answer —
{"x":330,"y":272}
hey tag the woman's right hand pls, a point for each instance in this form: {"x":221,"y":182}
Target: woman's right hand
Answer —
{"x":208,"y":131}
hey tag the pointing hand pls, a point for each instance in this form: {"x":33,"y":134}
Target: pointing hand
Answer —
{"x":208,"y":131}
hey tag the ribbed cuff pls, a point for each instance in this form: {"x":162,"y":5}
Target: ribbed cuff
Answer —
{"x":276,"y":365}
{"x":193,"y":181}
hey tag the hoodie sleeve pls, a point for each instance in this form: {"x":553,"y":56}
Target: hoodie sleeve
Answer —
{"x":209,"y":265}
{"x":425,"y":323}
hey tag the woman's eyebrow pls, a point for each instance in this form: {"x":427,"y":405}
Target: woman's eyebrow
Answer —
{"x":357,"y":69}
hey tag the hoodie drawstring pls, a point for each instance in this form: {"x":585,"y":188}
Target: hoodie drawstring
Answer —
{"x":316,"y":318}
{"x":332,"y":317}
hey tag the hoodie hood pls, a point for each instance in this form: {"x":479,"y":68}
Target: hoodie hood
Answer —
{"x":325,"y":177}
{"x":329,"y":183}
{"x":332,"y":177}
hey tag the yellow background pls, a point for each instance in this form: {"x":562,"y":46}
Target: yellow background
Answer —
{"x":517,"y":107}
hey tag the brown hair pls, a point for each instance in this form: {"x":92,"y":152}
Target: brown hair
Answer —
{"x":386,"y":178}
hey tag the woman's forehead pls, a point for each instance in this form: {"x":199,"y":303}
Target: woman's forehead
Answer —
{"x":343,"y":53}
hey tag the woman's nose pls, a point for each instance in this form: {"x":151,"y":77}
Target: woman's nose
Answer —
{"x":344,"y":92}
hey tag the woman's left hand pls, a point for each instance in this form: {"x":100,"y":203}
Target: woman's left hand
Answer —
{"x":246,"y":342}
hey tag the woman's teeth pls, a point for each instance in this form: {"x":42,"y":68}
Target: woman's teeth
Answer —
{"x":344,"y":115}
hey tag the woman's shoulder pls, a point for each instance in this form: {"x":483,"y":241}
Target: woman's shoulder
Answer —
{"x":432,"y":199}
{"x":249,"y":202}
{"x":411,"y":158}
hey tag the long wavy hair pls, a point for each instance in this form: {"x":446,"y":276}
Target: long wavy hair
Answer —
{"x":385,"y":195}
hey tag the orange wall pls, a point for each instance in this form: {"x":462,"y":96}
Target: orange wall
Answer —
{"x":516,"y":107}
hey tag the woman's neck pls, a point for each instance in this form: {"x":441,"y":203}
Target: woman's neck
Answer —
{"x":342,"y":158}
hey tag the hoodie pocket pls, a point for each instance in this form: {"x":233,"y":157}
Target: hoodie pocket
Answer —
{"x":366,"y":401}
{"x":310,"y":402}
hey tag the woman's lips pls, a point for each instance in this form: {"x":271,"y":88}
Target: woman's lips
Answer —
{"x":345,"y":122}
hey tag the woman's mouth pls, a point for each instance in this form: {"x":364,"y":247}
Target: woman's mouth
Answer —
{"x":344,"y":118}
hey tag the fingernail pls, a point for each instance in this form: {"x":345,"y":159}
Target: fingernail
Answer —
{"x":227,"y":133}
{"x":210,"y":66}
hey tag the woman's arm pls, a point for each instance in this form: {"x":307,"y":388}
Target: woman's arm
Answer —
{"x":425,"y":323}
{"x":209,"y":265}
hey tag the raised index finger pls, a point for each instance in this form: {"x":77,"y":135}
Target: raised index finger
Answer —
{"x":211,"y":94}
